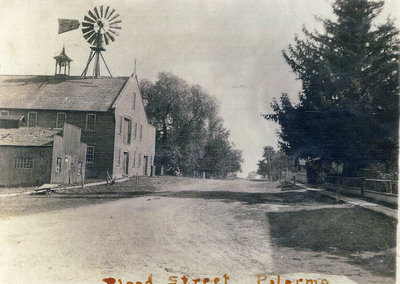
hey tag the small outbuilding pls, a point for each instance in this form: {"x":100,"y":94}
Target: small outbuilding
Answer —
{"x":37,"y":155}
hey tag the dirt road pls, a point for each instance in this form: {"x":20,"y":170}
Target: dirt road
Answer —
{"x":200,"y":229}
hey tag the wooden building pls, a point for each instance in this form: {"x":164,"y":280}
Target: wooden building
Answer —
{"x":37,"y":155}
{"x":109,"y":111}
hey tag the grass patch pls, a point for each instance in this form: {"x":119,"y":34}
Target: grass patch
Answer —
{"x":346,"y":229}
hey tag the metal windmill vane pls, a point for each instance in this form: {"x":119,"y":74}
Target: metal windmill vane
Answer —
{"x":99,"y":27}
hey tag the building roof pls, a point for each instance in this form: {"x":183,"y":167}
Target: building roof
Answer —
{"x":27,"y":136}
{"x":59,"y":93}
{"x":62,"y":56}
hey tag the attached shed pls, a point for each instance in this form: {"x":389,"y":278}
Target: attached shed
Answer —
{"x":69,"y":156}
{"x":36,"y":155}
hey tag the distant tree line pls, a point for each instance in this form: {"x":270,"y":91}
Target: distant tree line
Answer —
{"x":348,"y":109}
{"x":273,"y":164}
{"x":190,"y":136}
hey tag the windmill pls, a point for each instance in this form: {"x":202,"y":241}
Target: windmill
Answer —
{"x":99,"y":27}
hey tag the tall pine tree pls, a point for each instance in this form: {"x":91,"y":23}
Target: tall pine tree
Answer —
{"x":348,"y":108}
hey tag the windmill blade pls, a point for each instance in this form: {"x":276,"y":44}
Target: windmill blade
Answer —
{"x":87,"y":19}
{"x":97,"y":12}
{"x":101,"y":11}
{"x":95,"y":41}
{"x":114,"y":32}
{"x":116,"y":16}
{"x":88,"y":35}
{"x":92,"y":38}
{"x":84,"y":24}
{"x":112,"y":12}
{"x":116,"y":22}
{"x":115,"y":27}
{"x":111,"y":37}
{"x":86,"y":30}
{"x":65,"y":25}
{"x":92,"y":15}
{"x":105,"y":14}
{"x":106,"y":40}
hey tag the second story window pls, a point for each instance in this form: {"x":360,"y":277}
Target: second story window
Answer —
{"x":127,"y":129}
{"x":120,"y":124}
{"x":118,"y":157}
{"x":141,"y":132}
{"x":61,"y":118}
{"x":90,"y":122}
{"x":4,"y":113}
{"x":89,"y":154}
{"x":134,"y":101}
{"x":32,"y":119}
{"x":135,"y":130}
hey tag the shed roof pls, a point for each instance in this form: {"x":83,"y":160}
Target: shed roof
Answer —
{"x":59,"y":93}
{"x":32,"y":136}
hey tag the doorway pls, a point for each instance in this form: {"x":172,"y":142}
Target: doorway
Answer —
{"x":145,"y":164}
{"x":126,"y":163}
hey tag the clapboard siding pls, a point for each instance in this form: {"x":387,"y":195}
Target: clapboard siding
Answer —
{"x":139,"y":147}
{"x":108,"y":142}
{"x":102,"y":139}
{"x":37,"y":175}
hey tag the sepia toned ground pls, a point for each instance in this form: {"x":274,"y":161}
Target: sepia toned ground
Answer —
{"x":198,"y":228}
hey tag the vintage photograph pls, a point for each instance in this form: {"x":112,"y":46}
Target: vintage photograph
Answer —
{"x":199,"y":141}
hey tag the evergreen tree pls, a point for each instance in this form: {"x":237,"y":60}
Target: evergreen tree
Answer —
{"x":348,"y":108}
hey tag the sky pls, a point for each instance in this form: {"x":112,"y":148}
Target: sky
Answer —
{"x":232,"y":48}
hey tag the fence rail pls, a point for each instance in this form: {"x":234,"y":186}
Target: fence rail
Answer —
{"x":365,"y":184}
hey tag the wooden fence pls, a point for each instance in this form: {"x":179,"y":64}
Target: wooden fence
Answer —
{"x":365,"y":184}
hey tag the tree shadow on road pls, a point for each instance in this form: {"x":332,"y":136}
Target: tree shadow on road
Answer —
{"x":349,"y":232}
{"x":256,"y":197}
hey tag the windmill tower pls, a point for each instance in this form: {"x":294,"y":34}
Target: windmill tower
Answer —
{"x":99,"y":27}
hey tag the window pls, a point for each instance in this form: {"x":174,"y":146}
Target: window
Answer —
{"x":126,"y":130}
{"x":61,"y":118}
{"x":32,"y":119}
{"x":90,"y":122}
{"x":141,"y":132}
{"x":135,"y":131}
{"x":134,"y":101}
{"x":118,"y":157}
{"x":140,"y":159}
{"x":89,"y":154}
{"x":58,"y":165}
{"x":120,"y":124}
{"x":79,"y":168}
{"x":134,"y":159}
{"x":4,"y":113}
{"x":23,"y":163}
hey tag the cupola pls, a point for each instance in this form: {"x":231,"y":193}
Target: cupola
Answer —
{"x":62,"y":63}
